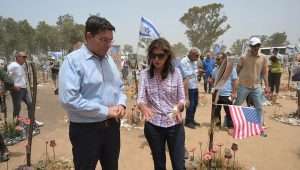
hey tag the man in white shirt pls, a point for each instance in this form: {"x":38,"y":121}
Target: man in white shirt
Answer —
{"x":19,"y":93}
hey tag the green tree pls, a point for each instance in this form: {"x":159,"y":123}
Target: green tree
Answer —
{"x":26,"y":36}
{"x":264,"y":40}
{"x":278,"y":39}
{"x":179,"y":49}
{"x":204,"y":25}
{"x":69,"y":32}
{"x":237,"y":46}
{"x":46,"y":37}
{"x":10,"y":38}
{"x":127,"y":49}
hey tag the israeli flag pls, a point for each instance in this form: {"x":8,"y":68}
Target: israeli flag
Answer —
{"x":148,"y":30}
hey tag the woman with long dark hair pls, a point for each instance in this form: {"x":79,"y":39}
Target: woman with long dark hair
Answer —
{"x":161,"y":100}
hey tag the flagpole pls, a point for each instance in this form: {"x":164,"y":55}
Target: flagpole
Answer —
{"x":136,"y":67}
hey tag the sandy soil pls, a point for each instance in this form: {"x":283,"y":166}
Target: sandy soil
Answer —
{"x":279,"y":151}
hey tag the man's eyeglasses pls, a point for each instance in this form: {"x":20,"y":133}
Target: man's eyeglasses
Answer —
{"x":160,"y":56}
{"x":105,"y":40}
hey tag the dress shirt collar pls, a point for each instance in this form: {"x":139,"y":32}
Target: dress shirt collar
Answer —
{"x":90,"y":54}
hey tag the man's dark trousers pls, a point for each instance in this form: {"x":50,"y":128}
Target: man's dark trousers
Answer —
{"x":95,"y":141}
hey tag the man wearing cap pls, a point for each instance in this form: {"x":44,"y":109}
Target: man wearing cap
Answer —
{"x":251,"y":69}
{"x":19,"y":93}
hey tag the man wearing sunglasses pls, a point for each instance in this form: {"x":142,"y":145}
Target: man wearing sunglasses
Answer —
{"x":189,"y":70}
{"x":251,"y":69}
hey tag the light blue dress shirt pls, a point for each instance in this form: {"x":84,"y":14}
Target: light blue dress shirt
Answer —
{"x":189,"y":69}
{"x":88,"y":85}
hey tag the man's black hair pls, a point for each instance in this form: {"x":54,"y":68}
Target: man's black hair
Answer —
{"x":95,"y":24}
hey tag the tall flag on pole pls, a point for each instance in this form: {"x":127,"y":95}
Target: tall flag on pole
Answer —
{"x":148,"y":30}
{"x":246,"y":121}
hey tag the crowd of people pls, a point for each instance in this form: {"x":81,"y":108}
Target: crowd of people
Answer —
{"x":91,"y":90}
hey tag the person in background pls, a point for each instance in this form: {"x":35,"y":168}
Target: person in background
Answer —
{"x":189,"y":67}
{"x":161,"y":100}
{"x":251,"y":69}
{"x":6,"y":83}
{"x":275,"y":71}
{"x":45,"y":69}
{"x":208,"y":66}
{"x":20,"y":93}
{"x":54,"y":65}
{"x":91,"y":91}
{"x":124,"y":68}
{"x":226,"y":95}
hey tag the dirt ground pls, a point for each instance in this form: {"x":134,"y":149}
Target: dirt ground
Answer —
{"x":279,"y":151}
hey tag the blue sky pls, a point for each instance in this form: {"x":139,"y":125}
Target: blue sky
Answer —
{"x":246,"y":18}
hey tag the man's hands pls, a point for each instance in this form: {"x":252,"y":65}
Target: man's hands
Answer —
{"x":233,"y":95}
{"x":116,"y":112}
{"x":267,"y":91}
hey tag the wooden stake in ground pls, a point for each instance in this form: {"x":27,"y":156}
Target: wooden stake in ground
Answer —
{"x":298,"y":104}
{"x":32,"y":87}
{"x":224,"y":71}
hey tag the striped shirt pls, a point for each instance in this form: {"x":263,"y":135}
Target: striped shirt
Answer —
{"x":161,"y":96}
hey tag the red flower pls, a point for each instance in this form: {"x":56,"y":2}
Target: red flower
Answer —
{"x":20,"y":118}
{"x":207,"y":156}
{"x":27,"y":121}
{"x":214,"y":149}
{"x":19,"y":128}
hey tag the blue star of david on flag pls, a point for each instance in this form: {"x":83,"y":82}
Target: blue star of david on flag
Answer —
{"x":148,"y":30}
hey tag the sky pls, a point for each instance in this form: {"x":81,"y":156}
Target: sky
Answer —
{"x":246,"y":18}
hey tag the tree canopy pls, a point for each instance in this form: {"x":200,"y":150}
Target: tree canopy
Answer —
{"x":179,"y":49}
{"x":20,"y":35}
{"x":204,"y":25}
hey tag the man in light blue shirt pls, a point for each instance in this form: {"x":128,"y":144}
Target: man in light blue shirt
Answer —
{"x":189,"y":70}
{"x":226,"y":94}
{"x":91,"y":91}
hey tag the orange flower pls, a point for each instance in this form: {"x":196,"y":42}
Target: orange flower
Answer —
{"x":52,"y":143}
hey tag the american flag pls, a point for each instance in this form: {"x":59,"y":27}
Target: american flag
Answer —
{"x":246,"y":121}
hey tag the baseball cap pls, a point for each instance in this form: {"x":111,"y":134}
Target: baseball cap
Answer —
{"x":254,"y":40}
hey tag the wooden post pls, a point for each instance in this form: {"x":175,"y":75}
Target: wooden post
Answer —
{"x":32,"y":82}
{"x":212,"y":123}
{"x":298,"y":106}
